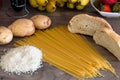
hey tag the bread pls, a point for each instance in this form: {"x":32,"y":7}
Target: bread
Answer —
{"x":108,"y":39}
{"x":86,"y":24}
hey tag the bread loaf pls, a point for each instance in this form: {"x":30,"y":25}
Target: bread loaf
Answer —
{"x":109,"y":40}
{"x":86,"y":24}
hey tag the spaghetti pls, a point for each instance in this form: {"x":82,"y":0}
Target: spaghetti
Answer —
{"x":69,"y":52}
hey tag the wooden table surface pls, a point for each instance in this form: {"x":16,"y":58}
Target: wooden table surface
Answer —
{"x":60,"y":17}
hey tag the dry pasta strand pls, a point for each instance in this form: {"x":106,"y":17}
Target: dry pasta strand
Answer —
{"x":69,"y":52}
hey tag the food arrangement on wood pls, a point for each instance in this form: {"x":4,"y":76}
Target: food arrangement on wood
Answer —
{"x":65,"y":47}
{"x":69,"y":52}
{"x":99,"y":29}
{"x":23,"y":27}
{"x":90,"y":25}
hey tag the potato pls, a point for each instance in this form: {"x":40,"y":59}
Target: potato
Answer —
{"x":22,"y":27}
{"x":6,"y":35}
{"x":41,"y":21}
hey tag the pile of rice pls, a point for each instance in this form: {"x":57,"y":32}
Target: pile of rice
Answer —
{"x":23,"y":59}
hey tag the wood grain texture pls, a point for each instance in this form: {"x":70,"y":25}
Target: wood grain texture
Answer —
{"x":60,"y":17}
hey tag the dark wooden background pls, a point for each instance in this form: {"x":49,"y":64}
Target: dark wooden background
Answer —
{"x":60,"y":17}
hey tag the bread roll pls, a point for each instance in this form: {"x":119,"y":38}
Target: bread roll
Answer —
{"x":86,"y":24}
{"x":108,"y":39}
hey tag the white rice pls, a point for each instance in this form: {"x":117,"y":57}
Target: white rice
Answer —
{"x":23,"y":59}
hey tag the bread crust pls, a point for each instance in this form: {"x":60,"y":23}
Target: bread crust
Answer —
{"x":72,"y":28}
{"x":110,"y":33}
{"x":113,"y":36}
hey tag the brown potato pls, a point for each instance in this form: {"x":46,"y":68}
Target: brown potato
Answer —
{"x":6,"y":35}
{"x":22,"y":27}
{"x":41,"y":21}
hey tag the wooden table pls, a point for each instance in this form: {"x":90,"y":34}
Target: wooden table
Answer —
{"x":60,"y":17}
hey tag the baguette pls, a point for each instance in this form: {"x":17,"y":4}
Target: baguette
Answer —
{"x":108,"y":39}
{"x":86,"y":24}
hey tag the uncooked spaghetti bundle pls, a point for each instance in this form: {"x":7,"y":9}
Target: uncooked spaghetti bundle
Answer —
{"x":69,"y":52}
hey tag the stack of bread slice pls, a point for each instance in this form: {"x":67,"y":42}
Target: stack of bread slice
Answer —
{"x":99,"y":28}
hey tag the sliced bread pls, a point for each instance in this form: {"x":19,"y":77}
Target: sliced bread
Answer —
{"x":108,"y":39}
{"x":86,"y":24}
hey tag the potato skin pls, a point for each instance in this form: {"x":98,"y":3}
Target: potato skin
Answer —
{"x":6,"y":35}
{"x":22,"y":27}
{"x":41,"y":21}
